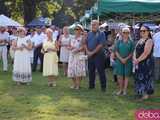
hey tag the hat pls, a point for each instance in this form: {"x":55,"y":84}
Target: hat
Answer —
{"x":80,"y":26}
{"x":125,"y":29}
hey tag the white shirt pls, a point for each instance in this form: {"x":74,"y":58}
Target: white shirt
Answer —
{"x":4,"y":36}
{"x":38,"y":38}
{"x":156,"y":40}
{"x":55,"y":35}
{"x":13,"y":37}
{"x":31,"y":38}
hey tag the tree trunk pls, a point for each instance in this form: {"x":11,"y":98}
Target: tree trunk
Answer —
{"x":29,"y":10}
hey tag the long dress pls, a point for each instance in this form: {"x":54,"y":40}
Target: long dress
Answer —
{"x":144,"y":72}
{"x":50,"y":62}
{"x":124,"y":49}
{"x":76,"y":65}
{"x":64,"y":52}
{"x":22,"y":65}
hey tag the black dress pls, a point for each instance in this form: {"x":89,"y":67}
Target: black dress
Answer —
{"x":144,"y":72}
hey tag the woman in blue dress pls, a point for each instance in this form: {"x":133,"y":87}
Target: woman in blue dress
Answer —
{"x":144,"y":64}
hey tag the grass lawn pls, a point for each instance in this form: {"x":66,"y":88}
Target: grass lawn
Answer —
{"x":38,"y":102}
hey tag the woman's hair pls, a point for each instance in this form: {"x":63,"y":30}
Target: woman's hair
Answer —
{"x":148,"y":29}
{"x":65,"y":27}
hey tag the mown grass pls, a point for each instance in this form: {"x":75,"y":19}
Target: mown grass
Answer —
{"x":38,"y":102}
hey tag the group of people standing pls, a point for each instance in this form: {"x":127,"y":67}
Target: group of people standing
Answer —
{"x":136,"y":58}
{"x":80,"y":50}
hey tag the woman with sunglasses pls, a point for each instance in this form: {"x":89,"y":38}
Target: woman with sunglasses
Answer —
{"x":76,"y":65}
{"x":123,"y":64}
{"x":144,"y":64}
{"x":22,"y":64}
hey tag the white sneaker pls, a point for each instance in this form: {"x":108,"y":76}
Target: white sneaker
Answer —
{"x":124,"y":93}
{"x":77,"y":88}
{"x":72,"y":87}
{"x":119,"y":93}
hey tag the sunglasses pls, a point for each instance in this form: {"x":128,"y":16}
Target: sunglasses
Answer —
{"x":143,"y":31}
{"x":77,"y":29}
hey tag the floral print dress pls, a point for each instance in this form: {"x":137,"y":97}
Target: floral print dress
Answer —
{"x":76,"y":65}
{"x":144,"y":72}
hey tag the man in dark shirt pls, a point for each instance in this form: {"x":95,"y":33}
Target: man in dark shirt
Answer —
{"x":96,"y":61}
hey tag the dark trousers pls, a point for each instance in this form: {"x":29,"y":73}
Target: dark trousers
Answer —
{"x":157,"y":68}
{"x":37,"y":54}
{"x":97,"y":63}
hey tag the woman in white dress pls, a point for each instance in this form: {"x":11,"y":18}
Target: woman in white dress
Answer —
{"x":64,"y":42}
{"x":76,"y":64}
{"x":22,"y":65}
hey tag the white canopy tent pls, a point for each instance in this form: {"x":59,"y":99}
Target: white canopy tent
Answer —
{"x":6,"y":21}
{"x":72,"y":26}
{"x":103,"y":25}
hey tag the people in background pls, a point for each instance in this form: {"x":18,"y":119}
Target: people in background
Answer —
{"x":38,"y":41}
{"x":156,"y":54}
{"x":13,"y":37}
{"x":123,"y":68}
{"x":144,"y":64}
{"x":64,"y":43}
{"x":76,"y":64}
{"x":50,"y":68}
{"x":32,"y":37}
{"x":22,"y":64}
{"x":55,"y":32}
{"x":96,"y":61}
{"x":4,"y":39}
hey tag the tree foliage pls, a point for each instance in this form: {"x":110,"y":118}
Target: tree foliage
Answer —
{"x":25,"y":11}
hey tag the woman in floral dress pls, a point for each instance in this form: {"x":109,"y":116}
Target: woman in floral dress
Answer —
{"x":144,"y":64}
{"x":76,"y":65}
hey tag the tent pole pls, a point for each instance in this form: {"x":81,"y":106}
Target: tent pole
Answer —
{"x":98,"y":17}
{"x":98,"y":12}
{"x":133,"y":23}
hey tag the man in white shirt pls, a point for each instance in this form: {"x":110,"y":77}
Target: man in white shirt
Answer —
{"x":55,"y":33}
{"x":156,"y":54}
{"x":12,"y":37}
{"x":38,"y":39}
{"x":4,"y":37}
{"x":32,"y":37}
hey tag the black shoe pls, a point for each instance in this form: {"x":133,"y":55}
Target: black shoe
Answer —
{"x":91,"y":88}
